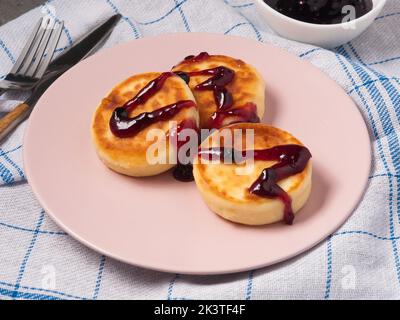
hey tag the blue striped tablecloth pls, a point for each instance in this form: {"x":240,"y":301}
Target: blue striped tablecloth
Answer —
{"x":361,"y":260}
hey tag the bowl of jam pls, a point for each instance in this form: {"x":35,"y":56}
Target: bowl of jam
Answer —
{"x":324,"y":23}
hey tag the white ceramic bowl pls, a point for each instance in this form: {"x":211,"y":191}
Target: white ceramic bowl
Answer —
{"x":322,"y":35}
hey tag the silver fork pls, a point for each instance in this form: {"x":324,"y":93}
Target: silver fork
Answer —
{"x":35,"y":56}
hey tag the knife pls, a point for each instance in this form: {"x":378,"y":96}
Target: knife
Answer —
{"x":81,"y":50}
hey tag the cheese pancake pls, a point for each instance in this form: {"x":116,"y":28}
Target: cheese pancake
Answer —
{"x":128,"y":155}
{"x":225,"y":189}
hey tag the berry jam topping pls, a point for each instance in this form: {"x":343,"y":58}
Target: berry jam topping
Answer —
{"x":200,"y":57}
{"x":292,"y":159}
{"x":246,"y":113}
{"x":185,"y":77}
{"x":220,"y":78}
{"x":123,"y":126}
{"x":321,"y":11}
{"x":147,"y":92}
{"x":183,"y":172}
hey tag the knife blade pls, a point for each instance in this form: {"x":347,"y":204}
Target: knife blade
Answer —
{"x":82,"y":49}
{"x":86,"y":46}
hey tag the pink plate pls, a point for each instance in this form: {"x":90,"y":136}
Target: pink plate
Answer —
{"x":162,"y":224}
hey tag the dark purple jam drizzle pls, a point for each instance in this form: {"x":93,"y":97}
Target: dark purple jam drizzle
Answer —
{"x":123,"y":126}
{"x":220,"y":78}
{"x":246,"y":113}
{"x":192,"y":58}
{"x":292,"y":159}
{"x":147,"y":92}
{"x":320,"y":11}
{"x":184,"y":172}
{"x":185,"y":77}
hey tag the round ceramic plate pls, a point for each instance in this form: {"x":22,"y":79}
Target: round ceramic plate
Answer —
{"x":162,"y":224}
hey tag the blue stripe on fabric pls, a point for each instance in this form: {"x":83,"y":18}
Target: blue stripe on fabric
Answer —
{"x":65,"y":29}
{"x":14,"y":165}
{"x":60,"y":49}
{"x":2,"y":153}
{"x":239,"y":6}
{"x":165,"y":15}
{"x":329,"y":255}
{"x":366,"y":233}
{"x":248,"y":23}
{"x":392,"y":139}
{"x":28,"y":296}
{"x":380,"y":79}
{"x":185,"y":22}
{"x":309,"y":52}
{"x":256,"y":31}
{"x":236,"y":26}
{"x":6,"y":174}
{"x":44,"y":290}
{"x":99,"y":277}
{"x":384,"y":175}
{"x":130,"y":23}
{"x":384,"y":61}
{"x":366,"y":64}
{"x":125,"y":18}
{"x":388,"y":15}
{"x":397,"y":80}
{"x":258,"y":34}
{"x":7,"y":51}
{"x":171,"y":286}
{"x":56,"y":233}
{"x":249,"y":289}
{"x":28,"y":252}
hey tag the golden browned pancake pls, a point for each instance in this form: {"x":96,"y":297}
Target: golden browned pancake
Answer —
{"x":128,"y":155}
{"x":247,"y":87}
{"x":226,"y":190}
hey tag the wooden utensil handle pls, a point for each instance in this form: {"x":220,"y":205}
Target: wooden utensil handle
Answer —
{"x":13,"y":118}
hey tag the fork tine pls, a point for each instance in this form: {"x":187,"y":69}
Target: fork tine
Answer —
{"x":51,"y":48}
{"x":25,"y":50}
{"x":41,"y":50}
{"x":32,"y":53}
